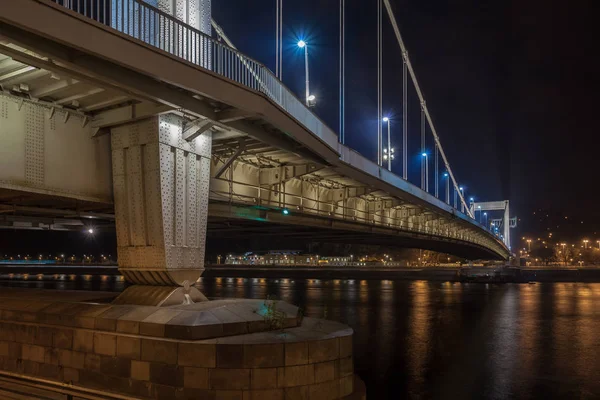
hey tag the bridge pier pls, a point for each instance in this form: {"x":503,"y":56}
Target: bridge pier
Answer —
{"x":161,"y":200}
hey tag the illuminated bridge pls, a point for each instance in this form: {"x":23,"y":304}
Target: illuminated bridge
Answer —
{"x":130,"y":113}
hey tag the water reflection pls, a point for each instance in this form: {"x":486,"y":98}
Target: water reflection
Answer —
{"x":417,"y":339}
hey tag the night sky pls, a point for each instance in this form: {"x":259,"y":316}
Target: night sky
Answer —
{"x":510,"y":86}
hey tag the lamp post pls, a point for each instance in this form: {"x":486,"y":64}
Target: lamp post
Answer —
{"x":485,"y":218}
{"x":585,"y":242}
{"x":529,"y":245}
{"x":462,"y":204}
{"x":308,"y":98}
{"x":389,"y":153}
{"x":447,"y":187}
{"x":426,"y":188}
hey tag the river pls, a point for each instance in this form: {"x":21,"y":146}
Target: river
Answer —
{"x":435,"y":340}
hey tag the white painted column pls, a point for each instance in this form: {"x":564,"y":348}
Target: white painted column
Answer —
{"x":161,"y":200}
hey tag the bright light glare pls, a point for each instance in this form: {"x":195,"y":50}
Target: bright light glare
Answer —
{"x":301,"y":44}
{"x":385,"y":119}
{"x":424,"y":154}
{"x":90,"y":230}
{"x":445,"y":174}
{"x":311,"y":97}
{"x":460,"y":188}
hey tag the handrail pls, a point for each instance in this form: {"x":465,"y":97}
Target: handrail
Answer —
{"x":165,"y":32}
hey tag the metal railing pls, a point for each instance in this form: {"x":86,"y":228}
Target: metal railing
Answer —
{"x":165,"y":32}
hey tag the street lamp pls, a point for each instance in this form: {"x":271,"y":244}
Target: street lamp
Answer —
{"x":585,"y":242}
{"x":426,"y":172}
{"x":389,"y":152}
{"x":529,"y":244}
{"x":310,"y":99}
{"x":462,"y":204}
{"x":447,"y":187}
{"x":485,"y":219}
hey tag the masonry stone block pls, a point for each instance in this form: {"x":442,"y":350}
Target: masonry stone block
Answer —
{"x":197,"y":354}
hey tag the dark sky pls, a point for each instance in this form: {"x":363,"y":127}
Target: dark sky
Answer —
{"x":511,"y":86}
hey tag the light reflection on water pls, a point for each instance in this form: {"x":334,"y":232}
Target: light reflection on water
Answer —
{"x":418,"y":339}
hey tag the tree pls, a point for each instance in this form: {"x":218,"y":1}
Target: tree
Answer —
{"x":544,"y":253}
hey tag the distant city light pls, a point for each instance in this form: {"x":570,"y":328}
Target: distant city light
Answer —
{"x":285,"y":211}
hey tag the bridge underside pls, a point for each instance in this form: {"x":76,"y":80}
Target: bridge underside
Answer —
{"x":238,"y":229}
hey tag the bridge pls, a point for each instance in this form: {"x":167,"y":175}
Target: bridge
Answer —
{"x":131,"y":114}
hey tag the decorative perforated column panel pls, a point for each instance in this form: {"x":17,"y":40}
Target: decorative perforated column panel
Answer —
{"x":161,"y":200}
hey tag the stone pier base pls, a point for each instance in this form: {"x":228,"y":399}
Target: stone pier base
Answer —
{"x":223,"y":349}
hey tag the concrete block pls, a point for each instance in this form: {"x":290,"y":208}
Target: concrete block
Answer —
{"x":105,"y":344}
{"x":166,"y":374}
{"x":71,"y":359}
{"x":345,"y":346}
{"x":129,"y":347}
{"x":264,"y":355}
{"x":323,"y":350}
{"x":83,"y":341}
{"x":346,"y":366}
{"x":92,"y":361}
{"x":51,"y":356}
{"x":346,"y":385}
{"x":154,"y":324}
{"x":263,"y":378}
{"x":195,"y":378}
{"x":115,"y":366}
{"x":194,"y":325}
{"x":34,"y":353}
{"x":326,"y":371}
{"x":298,"y":375}
{"x":324,"y":391}
{"x":229,"y":395}
{"x":230,"y":356}
{"x":70,"y":375}
{"x":296,"y":393}
{"x":197,"y":354}
{"x":296,"y":353}
{"x":229,"y":379}
{"x":50,"y":371}
{"x":140,"y":370}
{"x":43,"y":336}
{"x":62,"y":338}
{"x":11,"y":350}
{"x":107,"y":321}
{"x":269,"y":394}
{"x":159,"y":351}
{"x":130,"y":321}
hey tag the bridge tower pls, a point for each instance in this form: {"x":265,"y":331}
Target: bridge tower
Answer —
{"x":161,"y":178}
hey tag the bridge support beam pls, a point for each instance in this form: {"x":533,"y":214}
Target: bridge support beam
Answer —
{"x":161,"y":200}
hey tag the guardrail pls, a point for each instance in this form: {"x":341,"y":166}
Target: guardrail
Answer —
{"x":165,"y":32}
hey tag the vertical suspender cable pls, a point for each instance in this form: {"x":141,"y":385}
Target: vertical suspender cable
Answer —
{"x":423,"y":159}
{"x":379,"y":86}
{"x":436,"y":173}
{"x":281,"y":40}
{"x":404,"y":118}
{"x":277,"y":38}
{"x":342,"y":56}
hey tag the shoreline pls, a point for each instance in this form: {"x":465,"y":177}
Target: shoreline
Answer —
{"x":452,"y":274}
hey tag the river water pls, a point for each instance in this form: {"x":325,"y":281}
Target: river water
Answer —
{"x":434,"y":340}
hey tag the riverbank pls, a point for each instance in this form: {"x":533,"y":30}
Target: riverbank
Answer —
{"x":465,"y":274}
